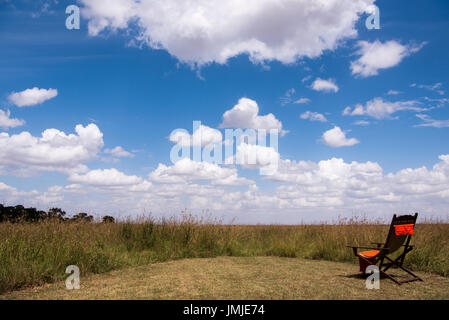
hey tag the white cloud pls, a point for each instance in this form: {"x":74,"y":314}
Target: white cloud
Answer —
{"x":53,"y":195}
{"x":105,"y":177}
{"x":380,"y":109}
{"x":253,"y":156}
{"x":393,"y":92}
{"x":376,"y":55}
{"x":53,"y":151}
{"x":437,"y":87}
{"x":7,"y":122}
{"x":429,"y":122}
{"x":362,"y":123}
{"x":202,"y":136}
{"x":313,"y":116}
{"x":316,"y":174}
{"x":187,"y":170}
{"x":309,"y":191}
{"x":337,"y":138}
{"x":245,"y":114}
{"x":119,"y":152}
{"x":31,"y":97}
{"x":288,"y":96}
{"x":363,"y":186}
{"x":436,"y":103}
{"x":11,"y":196}
{"x":202,"y":32}
{"x":302,"y":100}
{"x":324,"y":85}
{"x":306,"y":78}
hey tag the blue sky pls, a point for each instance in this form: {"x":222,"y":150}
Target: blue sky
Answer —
{"x":135,"y":95}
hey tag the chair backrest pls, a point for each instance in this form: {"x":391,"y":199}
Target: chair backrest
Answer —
{"x":397,"y":236}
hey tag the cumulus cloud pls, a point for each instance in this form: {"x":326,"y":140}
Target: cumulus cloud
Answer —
{"x":105,"y":177}
{"x":202,"y":136}
{"x":375,"y":56}
{"x":187,"y":170}
{"x":338,"y":187}
{"x":119,"y":152}
{"x":245,"y":114}
{"x":333,"y":186}
{"x":337,"y":138}
{"x":6,"y":122}
{"x":53,"y":151}
{"x":202,"y":32}
{"x":324,"y":85}
{"x":380,"y":109}
{"x":316,"y":174}
{"x":335,"y":183}
{"x":252,"y":156}
{"x":313,"y":116}
{"x":52,"y":197}
{"x":10,"y":195}
{"x":31,"y":97}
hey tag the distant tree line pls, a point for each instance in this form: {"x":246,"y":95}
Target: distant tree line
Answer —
{"x":16,"y":214}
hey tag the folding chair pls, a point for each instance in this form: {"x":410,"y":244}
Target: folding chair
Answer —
{"x":399,"y":235}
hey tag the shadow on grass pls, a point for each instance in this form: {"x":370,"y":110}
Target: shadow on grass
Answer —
{"x":354,"y":276}
{"x":364,"y":276}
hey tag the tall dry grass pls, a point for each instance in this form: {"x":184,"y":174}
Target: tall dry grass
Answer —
{"x":37,"y":253}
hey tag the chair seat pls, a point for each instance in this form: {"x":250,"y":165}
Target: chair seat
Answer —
{"x":369,"y":254}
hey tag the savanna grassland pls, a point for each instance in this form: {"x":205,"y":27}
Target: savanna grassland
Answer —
{"x":37,"y":253}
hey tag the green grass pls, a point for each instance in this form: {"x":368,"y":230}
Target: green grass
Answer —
{"x":33,"y":254}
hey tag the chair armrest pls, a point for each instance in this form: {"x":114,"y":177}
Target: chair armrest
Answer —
{"x":372,"y":248}
{"x":382,"y":243}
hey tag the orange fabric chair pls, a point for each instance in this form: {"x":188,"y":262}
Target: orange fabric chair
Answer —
{"x":403,"y":229}
{"x":399,"y":236}
{"x":368,"y":259}
{"x":369,"y":254}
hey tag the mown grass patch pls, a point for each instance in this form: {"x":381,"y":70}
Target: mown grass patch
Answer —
{"x":37,"y":253}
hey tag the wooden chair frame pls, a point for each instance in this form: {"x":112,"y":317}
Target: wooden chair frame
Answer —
{"x":392,"y":244}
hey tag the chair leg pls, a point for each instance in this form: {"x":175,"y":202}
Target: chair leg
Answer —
{"x":411,"y":273}
{"x":401,"y":258}
{"x":368,"y":262}
{"x":390,"y":277}
{"x":389,"y":265}
{"x":395,"y":262}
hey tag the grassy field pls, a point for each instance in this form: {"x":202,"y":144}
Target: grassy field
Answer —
{"x":238,"y":278}
{"x":35,"y":254}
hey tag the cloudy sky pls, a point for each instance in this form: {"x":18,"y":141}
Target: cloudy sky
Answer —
{"x":87,"y":116}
